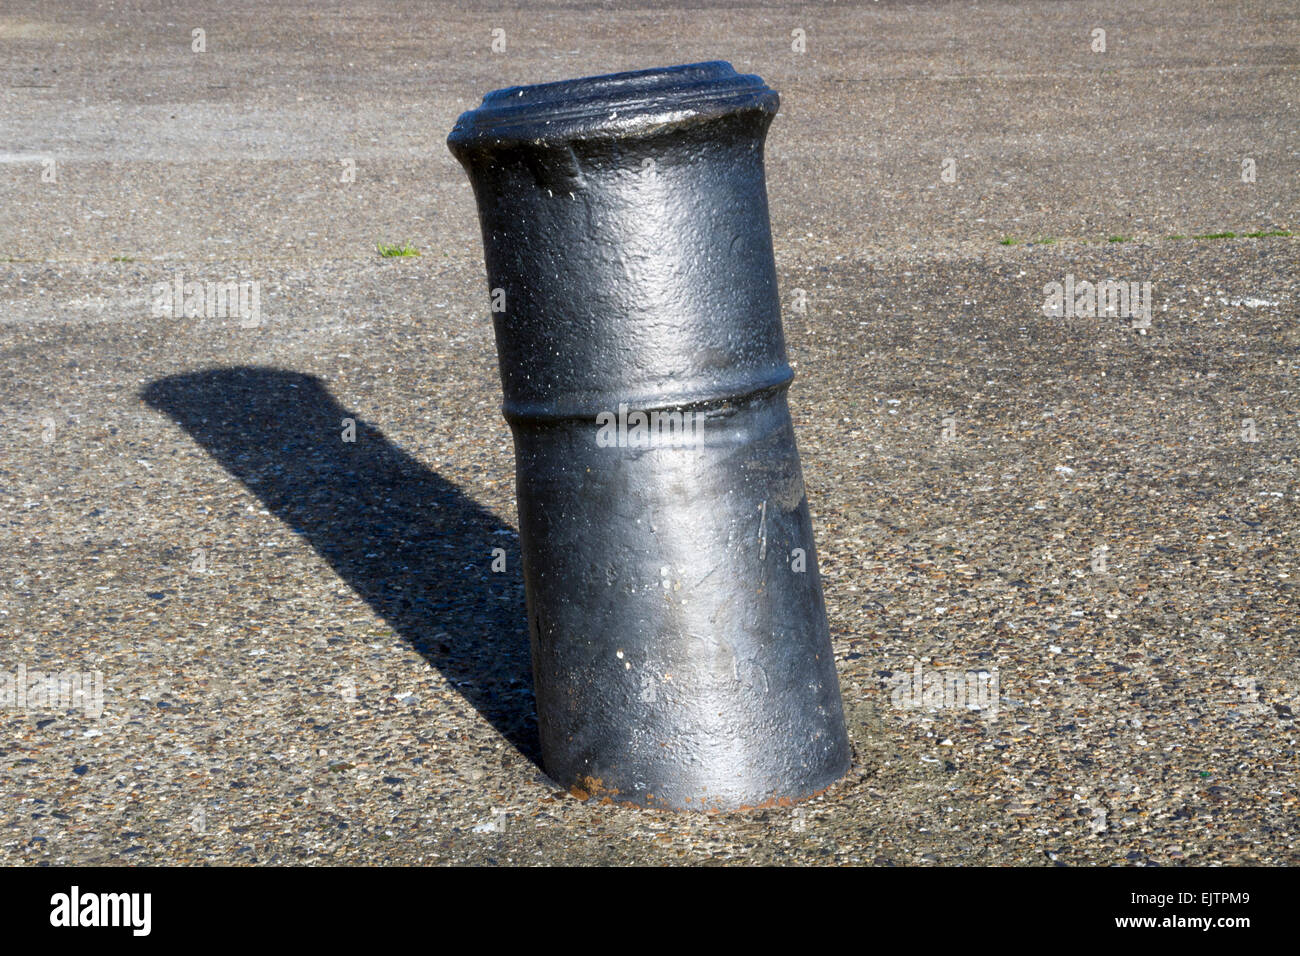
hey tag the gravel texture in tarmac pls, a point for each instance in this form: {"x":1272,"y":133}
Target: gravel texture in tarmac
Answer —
{"x":1059,"y":553}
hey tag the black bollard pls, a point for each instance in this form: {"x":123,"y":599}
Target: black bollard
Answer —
{"x":681,"y":656}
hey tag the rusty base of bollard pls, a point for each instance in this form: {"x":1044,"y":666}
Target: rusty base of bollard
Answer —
{"x":681,"y":655}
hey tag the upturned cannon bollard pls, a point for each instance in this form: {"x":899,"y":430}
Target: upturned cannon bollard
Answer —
{"x":681,"y":656}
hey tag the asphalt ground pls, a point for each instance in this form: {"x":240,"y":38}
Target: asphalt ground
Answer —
{"x":305,"y":656}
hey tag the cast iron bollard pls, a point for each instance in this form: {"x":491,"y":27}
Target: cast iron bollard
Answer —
{"x":681,"y":656}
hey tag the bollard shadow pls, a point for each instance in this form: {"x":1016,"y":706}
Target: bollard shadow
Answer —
{"x":409,"y":542}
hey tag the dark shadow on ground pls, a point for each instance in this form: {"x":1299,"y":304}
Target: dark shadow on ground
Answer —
{"x":408,"y":541}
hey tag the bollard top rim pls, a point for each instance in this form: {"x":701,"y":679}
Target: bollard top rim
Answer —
{"x":609,"y":106}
